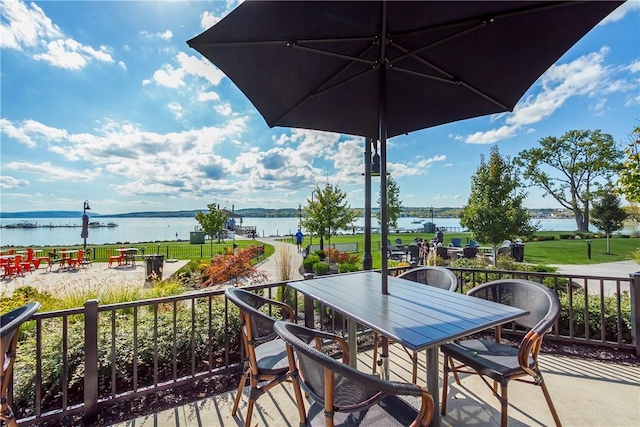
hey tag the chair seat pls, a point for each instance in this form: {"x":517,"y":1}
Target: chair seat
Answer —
{"x":389,"y":411}
{"x":489,"y":358}
{"x":272,"y":357}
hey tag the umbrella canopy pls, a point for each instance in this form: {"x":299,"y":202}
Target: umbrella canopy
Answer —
{"x":383,"y":68}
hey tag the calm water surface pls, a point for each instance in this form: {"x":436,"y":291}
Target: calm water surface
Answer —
{"x":134,"y":230}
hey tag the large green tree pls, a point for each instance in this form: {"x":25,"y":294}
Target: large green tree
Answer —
{"x":494,"y":211}
{"x":607,"y":214}
{"x":328,"y":212}
{"x":569,"y":168}
{"x":212,"y":222}
{"x":629,"y":182}
{"x":394,"y":204}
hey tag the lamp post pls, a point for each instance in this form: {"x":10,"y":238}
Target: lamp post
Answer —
{"x":371,"y":168}
{"x":299,"y":216}
{"x":85,"y":224}
{"x":311,"y":231}
{"x":431,"y":210}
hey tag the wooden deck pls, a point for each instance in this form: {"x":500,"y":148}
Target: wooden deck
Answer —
{"x":586,"y":393}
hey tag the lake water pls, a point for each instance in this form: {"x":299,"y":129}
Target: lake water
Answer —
{"x":67,"y":231}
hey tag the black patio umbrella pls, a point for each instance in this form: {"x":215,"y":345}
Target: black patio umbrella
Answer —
{"x":383,"y":68}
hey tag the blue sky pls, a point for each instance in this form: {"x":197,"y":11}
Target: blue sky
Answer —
{"x":104,"y":101}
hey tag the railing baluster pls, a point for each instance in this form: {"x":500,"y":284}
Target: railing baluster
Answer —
{"x":90,"y":415}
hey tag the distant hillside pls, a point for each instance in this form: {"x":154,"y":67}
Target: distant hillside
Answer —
{"x":420,"y":212}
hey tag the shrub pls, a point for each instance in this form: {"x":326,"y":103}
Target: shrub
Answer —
{"x":595,"y":313}
{"x":320,"y":268}
{"x":566,"y":236}
{"x":186,"y":333}
{"x":347,"y":268}
{"x":320,"y":254}
{"x":309,"y":261}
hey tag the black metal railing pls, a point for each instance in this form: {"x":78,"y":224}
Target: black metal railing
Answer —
{"x":78,"y":361}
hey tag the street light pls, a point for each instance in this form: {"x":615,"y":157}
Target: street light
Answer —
{"x":299,"y":216}
{"x":431,"y":210}
{"x":311,"y":231}
{"x":85,"y":224}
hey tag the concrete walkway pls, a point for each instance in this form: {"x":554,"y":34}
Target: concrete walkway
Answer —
{"x":271,"y":265}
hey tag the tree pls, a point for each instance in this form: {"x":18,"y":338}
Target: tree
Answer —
{"x":494,"y":212}
{"x":607,"y":214}
{"x":235,"y":268}
{"x":579,"y":158}
{"x":629,"y":182}
{"x":212,"y":222}
{"x":394,"y":204}
{"x":328,"y":213}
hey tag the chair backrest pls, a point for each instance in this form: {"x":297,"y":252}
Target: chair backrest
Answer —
{"x":399,"y":243}
{"x":9,"y":327}
{"x":257,"y":323}
{"x":414,"y":250}
{"x":469,"y":252}
{"x":352,"y":389}
{"x":541,"y":302}
{"x":505,"y":243}
{"x":473,"y":243}
{"x":504,"y":250}
{"x":456,"y":242}
{"x":442,"y":252}
{"x":438,"y":277}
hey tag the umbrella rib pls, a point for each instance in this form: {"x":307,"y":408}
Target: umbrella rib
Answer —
{"x":296,"y":46}
{"x":450,"y":78}
{"x":318,"y":91}
{"x":455,"y":82}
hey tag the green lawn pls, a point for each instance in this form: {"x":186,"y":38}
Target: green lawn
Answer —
{"x":558,"y":251}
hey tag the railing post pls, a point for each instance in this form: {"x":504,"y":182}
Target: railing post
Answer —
{"x":90,"y":416}
{"x":635,"y":310}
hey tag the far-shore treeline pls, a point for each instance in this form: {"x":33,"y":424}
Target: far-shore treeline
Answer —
{"x":413,"y":212}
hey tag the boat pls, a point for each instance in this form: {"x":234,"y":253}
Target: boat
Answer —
{"x":94,"y":224}
{"x":112,"y":224}
{"x":416,"y":221}
{"x":22,"y":224}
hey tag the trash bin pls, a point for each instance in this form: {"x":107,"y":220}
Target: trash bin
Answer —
{"x":155,"y":265}
{"x":517,"y":252}
{"x":429,"y":227}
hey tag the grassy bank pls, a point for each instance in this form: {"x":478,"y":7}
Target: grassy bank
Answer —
{"x":550,"y":249}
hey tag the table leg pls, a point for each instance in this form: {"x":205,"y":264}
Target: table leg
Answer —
{"x":432,"y":383}
{"x":353,"y":344}
{"x":309,"y":320}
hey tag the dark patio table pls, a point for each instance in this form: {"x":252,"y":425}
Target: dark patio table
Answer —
{"x":417,"y":316}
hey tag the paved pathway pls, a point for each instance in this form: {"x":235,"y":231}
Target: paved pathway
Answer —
{"x":270,"y":265}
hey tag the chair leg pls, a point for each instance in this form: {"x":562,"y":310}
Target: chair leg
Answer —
{"x":375,"y":352}
{"x":243,"y":381}
{"x":414,"y":360}
{"x":252,"y":400}
{"x":445,"y":385}
{"x":455,"y":373}
{"x":547,"y":397}
{"x":504,"y":405}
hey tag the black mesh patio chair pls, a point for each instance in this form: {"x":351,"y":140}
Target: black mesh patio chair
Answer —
{"x":265,"y":353}
{"x":442,"y":252}
{"x":342,"y":395}
{"x":438,"y":277}
{"x":9,"y":330}
{"x":469,"y":252}
{"x":500,"y":362}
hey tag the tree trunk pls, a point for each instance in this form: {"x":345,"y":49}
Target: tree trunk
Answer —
{"x":582,"y":220}
{"x":608,"y":247}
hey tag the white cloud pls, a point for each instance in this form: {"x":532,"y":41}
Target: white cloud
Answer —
{"x":28,"y":29}
{"x":11,"y":183}
{"x":208,"y":96}
{"x":25,"y":26}
{"x":585,"y":76}
{"x":49,"y":172}
{"x":621,"y":12}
